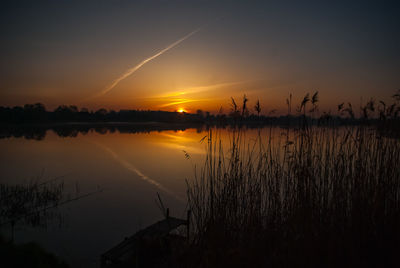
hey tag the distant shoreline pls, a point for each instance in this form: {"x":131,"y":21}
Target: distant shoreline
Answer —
{"x":74,"y":123}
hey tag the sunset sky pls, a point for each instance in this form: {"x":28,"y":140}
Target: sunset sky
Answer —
{"x":171,"y":55}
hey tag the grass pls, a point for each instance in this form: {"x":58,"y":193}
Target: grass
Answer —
{"x":308,"y":197}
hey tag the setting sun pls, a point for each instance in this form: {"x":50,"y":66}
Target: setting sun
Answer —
{"x":181,"y":110}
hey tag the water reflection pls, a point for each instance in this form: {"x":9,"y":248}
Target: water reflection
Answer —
{"x":130,"y":168}
{"x":180,"y":140}
{"x":38,"y":132}
{"x":136,"y":171}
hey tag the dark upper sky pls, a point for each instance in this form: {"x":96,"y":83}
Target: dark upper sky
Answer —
{"x":71,"y":52}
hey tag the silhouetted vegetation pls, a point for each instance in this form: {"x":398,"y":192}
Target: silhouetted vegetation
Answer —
{"x":35,"y":203}
{"x":324,"y":192}
{"x":27,"y":255}
{"x":33,"y":121}
{"x":311,"y":196}
{"x":372,"y":112}
{"x":29,"y":204}
{"x":36,"y":113}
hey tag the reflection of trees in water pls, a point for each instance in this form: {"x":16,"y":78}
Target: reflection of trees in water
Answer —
{"x":101,"y":130}
{"x":29,"y":133}
{"x":66,"y":132}
{"x":389,"y":128}
{"x":72,"y":131}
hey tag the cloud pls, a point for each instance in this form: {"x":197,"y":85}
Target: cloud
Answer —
{"x":138,"y":66}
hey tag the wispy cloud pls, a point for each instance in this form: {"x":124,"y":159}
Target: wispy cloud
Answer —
{"x":176,"y":102}
{"x":189,"y":94}
{"x":143,"y":62}
{"x":198,"y":89}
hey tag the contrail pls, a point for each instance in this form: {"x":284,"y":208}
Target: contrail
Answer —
{"x":137,"y":67}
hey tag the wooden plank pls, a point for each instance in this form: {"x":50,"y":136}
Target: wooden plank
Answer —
{"x":156,"y":230}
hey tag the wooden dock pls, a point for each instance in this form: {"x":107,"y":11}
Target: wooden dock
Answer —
{"x":146,"y":245}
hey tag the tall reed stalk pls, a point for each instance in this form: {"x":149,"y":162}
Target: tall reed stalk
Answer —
{"x":314,"y":196}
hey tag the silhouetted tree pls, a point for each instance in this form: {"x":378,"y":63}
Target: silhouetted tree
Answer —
{"x":200,"y":113}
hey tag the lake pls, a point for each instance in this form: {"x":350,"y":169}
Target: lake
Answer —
{"x":126,"y":165}
{"x":129,"y":168}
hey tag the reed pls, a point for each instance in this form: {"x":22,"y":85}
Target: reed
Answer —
{"x":312,"y":196}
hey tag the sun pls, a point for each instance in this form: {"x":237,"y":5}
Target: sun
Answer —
{"x":181,"y":110}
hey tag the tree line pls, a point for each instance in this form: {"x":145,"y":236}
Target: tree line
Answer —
{"x":372,"y":111}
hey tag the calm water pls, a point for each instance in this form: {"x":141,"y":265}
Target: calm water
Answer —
{"x":131,"y":168}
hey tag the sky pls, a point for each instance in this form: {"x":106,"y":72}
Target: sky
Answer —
{"x":171,"y":55}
